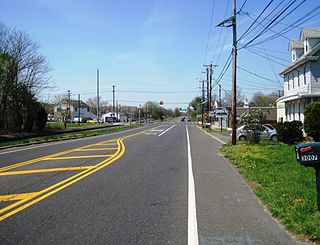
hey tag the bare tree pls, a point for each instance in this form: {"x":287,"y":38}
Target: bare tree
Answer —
{"x":92,"y":102}
{"x":23,"y":73}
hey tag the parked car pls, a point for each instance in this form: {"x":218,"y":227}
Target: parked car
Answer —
{"x":268,"y":132}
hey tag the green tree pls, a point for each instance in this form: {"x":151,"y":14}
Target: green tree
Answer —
{"x":252,"y":121}
{"x":312,"y":120}
{"x":196,"y":103}
{"x":41,"y":119}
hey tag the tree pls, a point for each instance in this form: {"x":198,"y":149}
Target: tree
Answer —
{"x":227,"y":99}
{"x":252,"y":121}
{"x":177,"y":112}
{"x":261,"y":100}
{"x":41,"y":118}
{"x":92,"y":102}
{"x":196,"y":103}
{"x":312,"y":120}
{"x":23,"y":75}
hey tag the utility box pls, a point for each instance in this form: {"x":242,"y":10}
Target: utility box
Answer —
{"x":308,"y":154}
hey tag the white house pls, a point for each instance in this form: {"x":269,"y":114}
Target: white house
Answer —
{"x":62,"y":109}
{"x":301,"y":77}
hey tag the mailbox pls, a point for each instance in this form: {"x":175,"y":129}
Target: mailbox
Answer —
{"x":308,"y":154}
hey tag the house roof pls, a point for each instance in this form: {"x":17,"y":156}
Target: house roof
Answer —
{"x":75,"y":103}
{"x":302,"y":60}
{"x":295,"y":44}
{"x":297,"y":96}
{"x":309,"y":33}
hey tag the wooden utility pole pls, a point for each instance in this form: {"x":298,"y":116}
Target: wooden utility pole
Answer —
{"x":234,"y":75}
{"x":113,"y":100}
{"x":228,"y":23}
{"x":209,"y":88}
{"x":79,"y":109}
{"x":98,"y":96}
{"x":202,"y":103}
{"x":69,"y":105}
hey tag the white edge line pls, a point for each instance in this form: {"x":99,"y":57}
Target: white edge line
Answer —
{"x":65,"y":141}
{"x":166,"y":131}
{"x":214,"y":137}
{"x":192,"y":210}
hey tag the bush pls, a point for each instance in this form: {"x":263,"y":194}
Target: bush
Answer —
{"x":28,"y":125}
{"x":41,"y":118}
{"x":289,"y":132}
{"x":312,"y":120}
{"x":253,"y":120}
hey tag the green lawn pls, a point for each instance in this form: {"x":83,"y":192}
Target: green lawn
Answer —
{"x":286,"y":187}
{"x":68,"y":135}
{"x":60,"y":125}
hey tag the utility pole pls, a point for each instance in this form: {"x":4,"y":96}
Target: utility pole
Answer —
{"x":98,"y":96}
{"x":113,"y":100}
{"x":209,"y":88}
{"x":117,"y":111}
{"x":220,"y":106}
{"x":139,"y":114}
{"x":228,"y":23}
{"x":202,"y":104}
{"x":234,"y":75}
{"x":68,"y":105}
{"x":79,"y":109}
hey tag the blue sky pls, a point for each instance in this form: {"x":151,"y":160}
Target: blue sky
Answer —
{"x":154,"y":45}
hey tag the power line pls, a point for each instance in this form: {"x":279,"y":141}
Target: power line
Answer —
{"x":272,"y":21}
{"x":244,"y":3}
{"x":224,"y":70}
{"x":255,"y":74}
{"x":220,"y":33}
{"x":209,"y":33}
{"x":248,"y":29}
{"x":251,"y":51}
{"x":294,"y":25}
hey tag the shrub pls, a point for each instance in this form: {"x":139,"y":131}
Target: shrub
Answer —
{"x":28,"y":125}
{"x":41,"y":118}
{"x":289,"y":132}
{"x":312,"y":120}
{"x":253,"y":119}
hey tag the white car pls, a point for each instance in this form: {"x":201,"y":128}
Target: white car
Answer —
{"x":268,"y":132}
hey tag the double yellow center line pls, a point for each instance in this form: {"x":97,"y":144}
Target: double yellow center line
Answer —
{"x":32,"y":198}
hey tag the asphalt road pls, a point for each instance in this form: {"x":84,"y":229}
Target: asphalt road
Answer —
{"x":161,"y":184}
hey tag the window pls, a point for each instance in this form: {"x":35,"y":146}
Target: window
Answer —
{"x":292,"y":81}
{"x":288,"y":85}
{"x":304,"y":76}
{"x":298,"y":78}
{"x":58,"y":109}
{"x":75,"y":109}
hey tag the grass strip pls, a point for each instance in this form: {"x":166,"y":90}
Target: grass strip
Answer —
{"x":287,"y":188}
{"x":69,"y":135}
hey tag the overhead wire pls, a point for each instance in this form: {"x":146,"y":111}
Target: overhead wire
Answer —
{"x":209,"y":32}
{"x":252,"y":24}
{"x":220,"y":33}
{"x":311,"y":14}
{"x":268,"y":25}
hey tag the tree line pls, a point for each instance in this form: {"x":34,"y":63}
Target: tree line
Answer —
{"x":23,"y":74}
